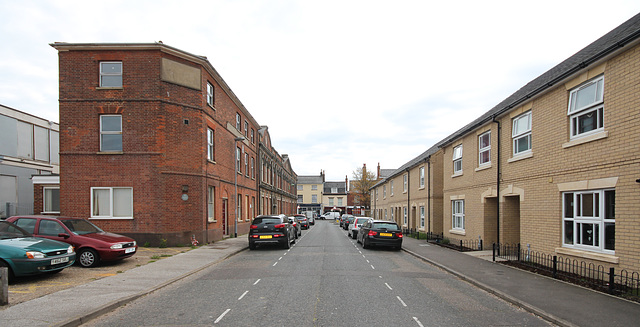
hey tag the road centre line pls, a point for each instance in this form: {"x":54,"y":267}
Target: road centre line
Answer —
{"x":372,"y":267}
{"x":221,"y":316}
{"x":275,"y":264}
{"x":257,"y":281}
{"x":280,"y":259}
{"x":388,"y":286}
{"x":399,"y":299}
{"x":418,"y":322}
{"x":243,"y":294}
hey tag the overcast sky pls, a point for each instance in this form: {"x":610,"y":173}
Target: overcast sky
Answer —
{"x":339,"y":83}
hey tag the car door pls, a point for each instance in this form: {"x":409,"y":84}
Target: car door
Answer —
{"x":51,"y":229}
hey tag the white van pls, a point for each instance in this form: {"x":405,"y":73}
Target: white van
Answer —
{"x":332,"y":215}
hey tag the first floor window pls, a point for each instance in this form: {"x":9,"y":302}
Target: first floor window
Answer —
{"x":457,"y":216}
{"x":422,"y":216}
{"x":300,"y":198}
{"x":421,"y":176}
{"x":51,"y":199}
{"x":589,"y":220}
{"x":210,"y":203}
{"x":210,"y":144}
{"x":238,"y":120}
{"x":484,"y":148}
{"x":457,"y":159}
{"x":587,"y":121}
{"x":246,"y":164}
{"x":239,"y":169}
{"x":112,"y":202}
{"x":586,"y":109}
{"x":110,"y":133}
{"x":330,"y":201}
{"x":521,"y":133}
{"x":111,"y":74}
{"x":339,"y":201}
{"x":314,"y":198}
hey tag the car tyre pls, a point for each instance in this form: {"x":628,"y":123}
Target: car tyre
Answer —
{"x":252,"y":246}
{"x":287,"y":244}
{"x":353,"y":235}
{"x":364,"y":244}
{"x":88,"y":258}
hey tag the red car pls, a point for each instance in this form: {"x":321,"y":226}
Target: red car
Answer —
{"x":91,"y":243}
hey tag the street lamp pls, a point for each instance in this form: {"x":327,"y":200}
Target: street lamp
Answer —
{"x":235,"y":174}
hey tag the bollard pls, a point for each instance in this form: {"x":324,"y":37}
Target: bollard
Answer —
{"x":4,"y":285}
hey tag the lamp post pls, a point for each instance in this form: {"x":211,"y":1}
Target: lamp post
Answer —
{"x":235,"y":182}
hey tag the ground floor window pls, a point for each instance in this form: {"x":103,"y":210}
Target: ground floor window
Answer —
{"x":405,"y":214}
{"x":51,"y":200}
{"x":589,"y":220}
{"x":422,"y":216}
{"x":457,"y":216}
{"x":112,"y":202}
{"x":210,"y":203}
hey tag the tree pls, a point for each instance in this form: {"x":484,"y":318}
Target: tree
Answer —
{"x":363,"y":180}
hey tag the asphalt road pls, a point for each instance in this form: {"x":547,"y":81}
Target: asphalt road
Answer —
{"x":326,"y":279}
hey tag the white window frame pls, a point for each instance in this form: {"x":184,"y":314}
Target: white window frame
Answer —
{"x":246,"y":164}
{"x":104,"y":73}
{"x":104,"y":133}
{"x":391,"y":188}
{"x":384,"y":191}
{"x":110,"y":214}
{"x":238,"y":157}
{"x":405,"y":212}
{"x":457,"y":159}
{"x":520,"y":135}
{"x":405,"y":182}
{"x":593,"y":91}
{"x":457,"y":214}
{"x":211,"y":208}
{"x":300,"y":198}
{"x":422,"y":217}
{"x":421,"y":174}
{"x":482,"y":150}
{"x":210,"y":97}
{"x":334,"y":190}
{"x":48,"y":201}
{"x":573,"y":214}
{"x":314,"y":198}
{"x":238,"y":122}
{"x":330,"y":201}
{"x":211,"y":144}
{"x":314,"y":187}
{"x":340,"y":201}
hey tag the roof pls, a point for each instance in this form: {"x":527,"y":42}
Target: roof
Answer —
{"x":424,"y":156}
{"x":384,"y":173}
{"x":310,"y":179}
{"x":610,"y":44}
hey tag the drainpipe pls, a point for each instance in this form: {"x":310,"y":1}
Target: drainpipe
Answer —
{"x":498,"y":176}
{"x":408,"y":199}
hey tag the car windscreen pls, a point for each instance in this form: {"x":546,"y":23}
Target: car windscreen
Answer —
{"x":9,"y":230}
{"x":81,"y":226}
{"x":387,"y":226}
{"x":269,"y":220}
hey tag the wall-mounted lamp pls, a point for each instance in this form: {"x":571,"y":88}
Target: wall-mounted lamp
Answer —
{"x":185,"y":188}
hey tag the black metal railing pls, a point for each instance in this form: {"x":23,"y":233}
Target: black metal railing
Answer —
{"x":599,"y":277}
{"x":453,"y":243}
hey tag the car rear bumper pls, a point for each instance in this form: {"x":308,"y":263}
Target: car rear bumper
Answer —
{"x":384,"y":242}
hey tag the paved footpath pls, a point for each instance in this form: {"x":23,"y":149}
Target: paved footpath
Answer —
{"x":561,"y":303}
{"x":74,"y":306}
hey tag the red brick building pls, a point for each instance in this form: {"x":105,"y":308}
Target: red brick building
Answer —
{"x":153,"y":143}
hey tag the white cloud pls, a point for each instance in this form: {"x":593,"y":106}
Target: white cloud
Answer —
{"x":339,"y":82}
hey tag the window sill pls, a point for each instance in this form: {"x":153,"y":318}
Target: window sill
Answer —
{"x":421,"y":187}
{"x":518,"y":157}
{"x":110,"y":152}
{"x":114,"y":218}
{"x":109,"y":88}
{"x":458,"y":232}
{"x":50,"y":212}
{"x":212,"y":220}
{"x":586,"y":139}
{"x":457,"y":174}
{"x":609,"y":258}
{"x":211,"y":161}
{"x":483,"y":167}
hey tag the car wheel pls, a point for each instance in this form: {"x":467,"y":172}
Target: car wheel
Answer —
{"x":286,"y":244}
{"x":4,"y":264}
{"x":364,"y":243}
{"x":88,"y":258}
{"x":252,"y":246}
{"x":353,"y":236}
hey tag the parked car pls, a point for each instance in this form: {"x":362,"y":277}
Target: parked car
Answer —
{"x":304,"y":222}
{"x":348,"y":220}
{"x":92,"y":244}
{"x":343,"y":219}
{"x":271,"y":230}
{"x":355,"y":226}
{"x":296,"y":226}
{"x":332,"y":215}
{"x":380,"y":232}
{"x":311,"y":217}
{"x":26,"y":255}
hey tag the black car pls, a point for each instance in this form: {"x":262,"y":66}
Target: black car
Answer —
{"x":347,"y":221}
{"x":271,"y":230}
{"x":343,"y":219}
{"x":380,"y":233}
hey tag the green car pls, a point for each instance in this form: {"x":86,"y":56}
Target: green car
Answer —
{"x":26,"y":255}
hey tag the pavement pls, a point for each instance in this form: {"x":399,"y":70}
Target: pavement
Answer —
{"x":558,"y":302}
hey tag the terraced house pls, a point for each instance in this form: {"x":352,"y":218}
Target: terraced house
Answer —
{"x":556,"y":165}
{"x":155,"y":145}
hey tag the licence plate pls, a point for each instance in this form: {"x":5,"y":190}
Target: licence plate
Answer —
{"x":129,"y":250}
{"x":262,"y":237}
{"x":59,"y":260}
{"x":386,"y":234}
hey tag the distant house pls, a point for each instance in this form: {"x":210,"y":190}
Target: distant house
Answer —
{"x":334,"y":196}
{"x":28,"y":155}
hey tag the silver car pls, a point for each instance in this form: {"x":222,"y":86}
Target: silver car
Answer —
{"x":354,"y":226}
